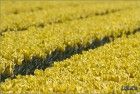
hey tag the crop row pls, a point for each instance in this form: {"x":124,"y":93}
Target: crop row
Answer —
{"x":103,"y":70}
{"x":17,"y":7}
{"x":17,"y":46}
{"x":57,"y":15}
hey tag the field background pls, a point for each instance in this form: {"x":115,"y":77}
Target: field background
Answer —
{"x":70,"y":47}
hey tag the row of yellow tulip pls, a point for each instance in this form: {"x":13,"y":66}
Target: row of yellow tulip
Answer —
{"x":17,"y":46}
{"x":112,"y":68}
{"x":48,"y":16}
{"x":17,"y":7}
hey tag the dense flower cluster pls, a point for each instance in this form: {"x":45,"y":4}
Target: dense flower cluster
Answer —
{"x":103,"y":70}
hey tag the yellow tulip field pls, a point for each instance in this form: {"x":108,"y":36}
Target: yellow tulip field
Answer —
{"x":69,"y":47}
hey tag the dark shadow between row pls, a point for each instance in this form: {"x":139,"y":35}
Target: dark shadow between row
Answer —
{"x":29,"y":66}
